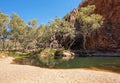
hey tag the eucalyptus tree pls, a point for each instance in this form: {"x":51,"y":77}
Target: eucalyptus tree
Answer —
{"x":63,"y":32}
{"x":42,"y":36}
{"x":18,"y":27}
{"x":33,"y":23}
{"x":88,"y":21}
{"x":30,"y":34}
{"x":4,"y":21}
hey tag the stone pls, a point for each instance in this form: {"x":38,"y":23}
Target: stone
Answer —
{"x":67,"y":55}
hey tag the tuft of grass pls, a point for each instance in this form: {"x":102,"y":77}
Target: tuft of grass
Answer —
{"x":18,"y":54}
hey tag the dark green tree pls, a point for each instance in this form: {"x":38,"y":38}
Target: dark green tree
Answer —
{"x":18,"y":27}
{"x":4,"y":21}
{"x":63,"y":32}
{"x":88,"y":21}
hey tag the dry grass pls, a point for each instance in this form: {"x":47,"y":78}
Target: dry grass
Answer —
{"x":3,"y":54}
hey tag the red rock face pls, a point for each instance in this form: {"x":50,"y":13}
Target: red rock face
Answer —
{"x":110,"y":9}
{"x":109,"y":36}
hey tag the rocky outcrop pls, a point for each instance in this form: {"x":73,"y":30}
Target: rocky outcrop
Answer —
{"x":110,"y":9}
{"x":108,"y":37}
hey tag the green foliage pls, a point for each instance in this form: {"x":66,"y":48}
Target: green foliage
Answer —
{"x":17,"y":25}
{"x":27,"y":37}
{"x":60,"y":25}
{"x":59,"y":32}
{"x":47,"y":57}
{"x":62,"y":31}
{"x":33,"y":22}
{"x":18,"y":54}
{"x":17,"y":30}
{"x":88,"y":21}
{"x":4,"y":21}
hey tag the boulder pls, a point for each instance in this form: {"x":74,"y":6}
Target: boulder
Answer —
{"x":67,"y":55}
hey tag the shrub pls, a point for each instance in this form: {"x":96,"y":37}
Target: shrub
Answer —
{"x":47,"y":57}
{"x":18,"y":54}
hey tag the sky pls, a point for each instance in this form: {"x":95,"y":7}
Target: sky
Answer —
{"x":42,"y":10}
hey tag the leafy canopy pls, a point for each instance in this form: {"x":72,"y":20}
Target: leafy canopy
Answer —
{"x":88,"y":20}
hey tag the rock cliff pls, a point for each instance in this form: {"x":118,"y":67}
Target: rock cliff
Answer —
{"x":108,"y":37}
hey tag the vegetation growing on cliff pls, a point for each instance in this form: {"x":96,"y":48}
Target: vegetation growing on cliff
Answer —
{"x":89,"y":22}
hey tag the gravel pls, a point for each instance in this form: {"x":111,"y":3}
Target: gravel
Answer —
{"x":12,"y":73}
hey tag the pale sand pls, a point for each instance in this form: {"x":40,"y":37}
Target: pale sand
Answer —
{"x":12,"y":73}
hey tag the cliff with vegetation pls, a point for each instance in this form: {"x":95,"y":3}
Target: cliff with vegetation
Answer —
{"x":107,"y":37}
